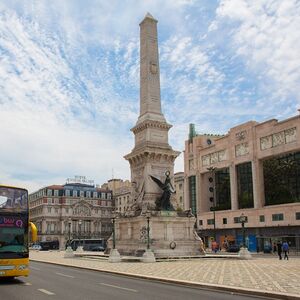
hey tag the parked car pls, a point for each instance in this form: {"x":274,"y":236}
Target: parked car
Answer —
{"x":98,"y":248}
{"x":233,"y":248}
{"x":36,"y":247}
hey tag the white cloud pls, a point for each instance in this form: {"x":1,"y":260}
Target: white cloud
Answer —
{"x":267,"y":36}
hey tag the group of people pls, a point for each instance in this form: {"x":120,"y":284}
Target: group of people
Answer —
{"x":281,"y":247}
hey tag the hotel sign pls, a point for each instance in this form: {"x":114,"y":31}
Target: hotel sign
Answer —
{"x":80,"y":179}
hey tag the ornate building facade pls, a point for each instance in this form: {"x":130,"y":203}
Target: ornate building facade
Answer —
{"x":76,"y":209}
{"x":253,"y":170}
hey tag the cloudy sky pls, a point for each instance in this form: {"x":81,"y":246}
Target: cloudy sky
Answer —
{"x":69,"y":78}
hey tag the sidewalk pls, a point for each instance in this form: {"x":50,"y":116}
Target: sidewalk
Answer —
{"x":261,"y":275}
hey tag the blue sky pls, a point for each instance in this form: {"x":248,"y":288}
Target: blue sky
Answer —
{"x":69,"y":78}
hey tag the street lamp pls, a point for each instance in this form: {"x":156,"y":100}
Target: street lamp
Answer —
{"x":148,"y":229}
{"x":79,"y":227}
{"x":69,"y":223}
{"x":243,"y":220}
{"x":113,"y":230}
{"x":213,"y":198}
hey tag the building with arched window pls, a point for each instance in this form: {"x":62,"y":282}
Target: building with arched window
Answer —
{"x":75,"y":210}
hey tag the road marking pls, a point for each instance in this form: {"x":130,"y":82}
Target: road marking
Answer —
{"x":27,"y":283}
{"x":119,"y":287}
{"x":34,"y":268}
{"x":46,"y":292}
{"x":65,"y":275}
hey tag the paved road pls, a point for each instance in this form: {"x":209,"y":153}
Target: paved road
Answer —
{"x":58,"y":282}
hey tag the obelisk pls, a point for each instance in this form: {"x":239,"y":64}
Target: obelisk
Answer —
{"x":152,"y":154}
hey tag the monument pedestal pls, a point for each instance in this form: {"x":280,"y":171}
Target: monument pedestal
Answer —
{"x":244,"y":253}
{"x":170,"y":235}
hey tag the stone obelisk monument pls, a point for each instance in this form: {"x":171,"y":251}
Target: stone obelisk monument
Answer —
{"x":152,"y":154}
{"x":152,"y":222}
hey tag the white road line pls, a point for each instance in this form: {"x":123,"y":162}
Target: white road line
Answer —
{"x":46,"y":292}
{"x":27,"y":283}
{"x":119,"y":287}
{"x":65,"y":275}
{"x":34,"y":268}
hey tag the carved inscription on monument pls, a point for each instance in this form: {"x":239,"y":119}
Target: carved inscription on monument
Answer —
{"x":278,"y":138}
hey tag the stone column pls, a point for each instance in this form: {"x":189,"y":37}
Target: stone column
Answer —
{"x":258,"y":183}
{"x":233,"y":187}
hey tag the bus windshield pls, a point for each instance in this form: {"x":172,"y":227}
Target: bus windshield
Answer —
{"x":13,"y":222}
{"x":13,"y":200}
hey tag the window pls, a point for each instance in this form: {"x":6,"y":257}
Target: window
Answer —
{"x":67,"y":210}
{"x":245,"y":185}
{"x":261,"y":218}
{"x":56,"y":210}
{"x":180,"y":186}
{"x":210,"y":221}
{"x":200,"y":222}
{"x":222,"y":189}
{"x":282,"y":179}
{"x":49,"y":210}
{"x":224,"y":220}
{"x":68,"y":193}
{"x":192,"y":189}
{"x":277,"y":217}
{"x":297,"y":215}
{"x":94,"y":194}
{"x":55,"y":193}
{"x":88,"y":194}
{"x":74,"y":193}
{"x":49,"y":192}
{"x":81,"y":193}
{"x":237,"y":219}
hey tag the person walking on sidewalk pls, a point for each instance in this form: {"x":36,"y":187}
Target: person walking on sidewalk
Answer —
{"x":285,"y":249}
{"x":279,"y":249}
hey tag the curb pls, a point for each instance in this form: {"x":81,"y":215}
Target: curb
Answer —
{"x":205,"y":286}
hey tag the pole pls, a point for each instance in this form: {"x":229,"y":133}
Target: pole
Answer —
{"x":244,"y":237}
{"x":69,"y":234}
{"x":114,"y":234}
{"x":148,"y":233}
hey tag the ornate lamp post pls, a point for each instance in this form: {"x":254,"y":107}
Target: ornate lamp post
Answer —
{"x":69,"y":250}
{"x":69,"y":223}
{"x":79,"y":234}
{"x":243,"y":220}
{"x":148,"y":229}
{"x":113,"y":219}
{"x":213,"y":198}
{"x":114,"y":255}
{"x":148,"y":256}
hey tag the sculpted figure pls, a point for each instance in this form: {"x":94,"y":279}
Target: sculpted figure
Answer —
{"x":198,"y":238}
{"x":164,"y":202}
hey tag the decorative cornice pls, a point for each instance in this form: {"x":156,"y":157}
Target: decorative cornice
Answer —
{"x":148,"y":153}
{"x":150,"y":124}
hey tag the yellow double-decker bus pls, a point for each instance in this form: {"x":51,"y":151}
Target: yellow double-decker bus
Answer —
{"x":14,"y":232}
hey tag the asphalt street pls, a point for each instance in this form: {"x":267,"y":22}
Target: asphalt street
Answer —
{"x":48,"y":281}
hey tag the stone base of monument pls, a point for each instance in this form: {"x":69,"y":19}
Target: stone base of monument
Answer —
{"x":69,"y":252}
{"x":170,"y":235}
{"x":244,"y":253}
{"x":79,"y":249}
{"x":114,"y":256}
{"x":148,"y":256}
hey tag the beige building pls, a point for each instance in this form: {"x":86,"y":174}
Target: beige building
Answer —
{"x":179,"y":188}
{"x":253,"y":170}
{"x":76,"y":209}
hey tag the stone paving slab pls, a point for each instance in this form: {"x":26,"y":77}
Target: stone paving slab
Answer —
{"x":264,"y":274}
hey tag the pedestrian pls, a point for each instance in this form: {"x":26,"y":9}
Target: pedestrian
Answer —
{"x":274,"y":247}
{"x":285,"y":249}
{"x":279,"y":249}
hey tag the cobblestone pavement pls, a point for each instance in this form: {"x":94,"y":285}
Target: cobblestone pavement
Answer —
{"x":261,"y":273}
